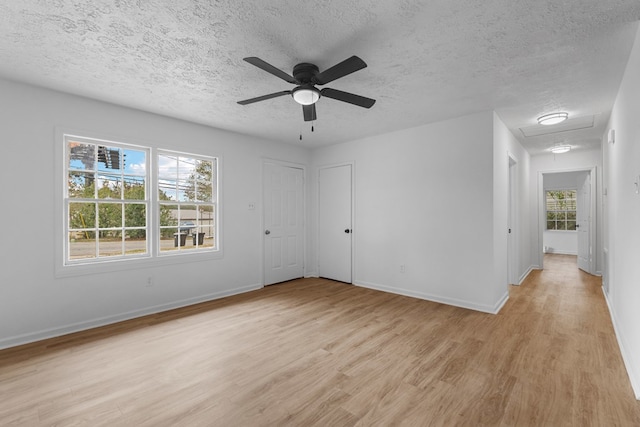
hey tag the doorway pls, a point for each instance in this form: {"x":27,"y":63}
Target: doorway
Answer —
{"x":574,"y":233}
{"x":335,"y":222}
{"x":283,"y":219}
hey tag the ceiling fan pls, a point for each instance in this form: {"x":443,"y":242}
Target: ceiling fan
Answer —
{"x":306,"y":76}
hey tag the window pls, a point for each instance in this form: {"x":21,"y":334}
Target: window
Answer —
{"x":106,"y":200}
{"x":115,"y":209}
{"x":561,"y":209}
{"x":187,"y":196}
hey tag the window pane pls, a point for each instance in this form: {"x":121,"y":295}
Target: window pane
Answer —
{"x":109,"y":159}
{"x":110,"y":215}
{"x":109,"y":186}
{"x":551,"y":216}
{"x":168,"y":215}
{"x":209,"y":238}
{"x":134,"y":188}
{"x":186,"y":191}
{"x":81,"y":185}
{"x":167,"y":190}
{"x":562,"y":225}
{"x":82,"y":215}
{"x":561,"y":216}
{"x":167,"y":166}
{"x":571,"y":225}
{"x":81,"y":156}
{"x":82,"y":245}
{"x":571,"y":216}
{"x":135,"y":215}
{"x":170,"y":239}
{"x":135,"y":162}
{"x":135,"y":241}
{"x":188,"y":213}
{"x":551,"y":225}
{"x":203,"y":179}
{"x":110,"y":244}
{"x":186,"y":168}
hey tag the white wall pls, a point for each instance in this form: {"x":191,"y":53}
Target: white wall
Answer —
{"x":553,"y":163}
{"x":424,"y":198}
{"x":560,"y":242}
{"x":622,"y":216}
{"x":432,"y":198}
{"x":33,"y":302}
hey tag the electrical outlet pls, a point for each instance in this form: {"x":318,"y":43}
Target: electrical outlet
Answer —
{"x":402,"y":269}
{"x":149,"y":281}
{"x":252,"y":206}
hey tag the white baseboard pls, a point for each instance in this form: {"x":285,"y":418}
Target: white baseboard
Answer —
{"x":439,"y":299}
{"x":525,"y":274}
{"x":107,"y":320}
{"x":633,"y":376}
{"x":561,"y":252}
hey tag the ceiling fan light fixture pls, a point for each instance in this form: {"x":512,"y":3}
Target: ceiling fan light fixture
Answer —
{"x":306,"y":95}
{"x":553,"y":118}
{"x":559,"y":149}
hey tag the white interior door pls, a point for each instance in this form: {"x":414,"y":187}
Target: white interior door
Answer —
{"x":283,"y":223}
{"x":334,"y":223}
{"x":583,"y":222}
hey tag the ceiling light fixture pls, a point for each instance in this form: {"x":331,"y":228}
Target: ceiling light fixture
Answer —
{"x":559,"y":149}
{"x":305,"y":95}
{"x":552,"y":119}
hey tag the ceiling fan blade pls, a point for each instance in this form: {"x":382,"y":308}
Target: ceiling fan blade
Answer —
{"x":264,"y":97}
{"x":271,"y":69}
{"x":351,"y":98}
{"x":309,"y":112}
{"x":348,"y":66}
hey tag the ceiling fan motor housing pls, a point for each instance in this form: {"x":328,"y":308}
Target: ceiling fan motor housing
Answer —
{"x":305,"y":73}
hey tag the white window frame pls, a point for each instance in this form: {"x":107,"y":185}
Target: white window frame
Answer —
{"x":566,"y":211}
{"x":68,"y":261}
{"x":214,"y":203}
{"x":152,"y":259}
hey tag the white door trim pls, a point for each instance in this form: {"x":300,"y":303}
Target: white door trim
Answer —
{"x":354,"y":227}
{"x":266,"y":160}
{"x":592,"y":209}
{"x":513,"y":248}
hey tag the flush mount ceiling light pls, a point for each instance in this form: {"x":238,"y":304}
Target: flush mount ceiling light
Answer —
{"x":559,"y":149}
{"x":552,"y":119}
{"x":306,"y":95}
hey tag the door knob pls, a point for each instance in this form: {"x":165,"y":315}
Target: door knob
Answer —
{"x":347,"y":231}
{"x":267,"y":232}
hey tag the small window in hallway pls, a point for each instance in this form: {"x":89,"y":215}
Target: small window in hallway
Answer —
{"x":561,"y":209}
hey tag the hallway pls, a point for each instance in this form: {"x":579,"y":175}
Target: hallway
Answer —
{"x":570,"y":350}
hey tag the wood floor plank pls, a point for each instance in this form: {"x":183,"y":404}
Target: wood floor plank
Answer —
{"x":314,"y":352}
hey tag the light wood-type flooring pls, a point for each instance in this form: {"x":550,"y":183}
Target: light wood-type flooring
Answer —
{"x":316,"y":352}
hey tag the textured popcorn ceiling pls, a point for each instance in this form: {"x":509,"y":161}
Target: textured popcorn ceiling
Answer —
{"x":428,"y":60}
